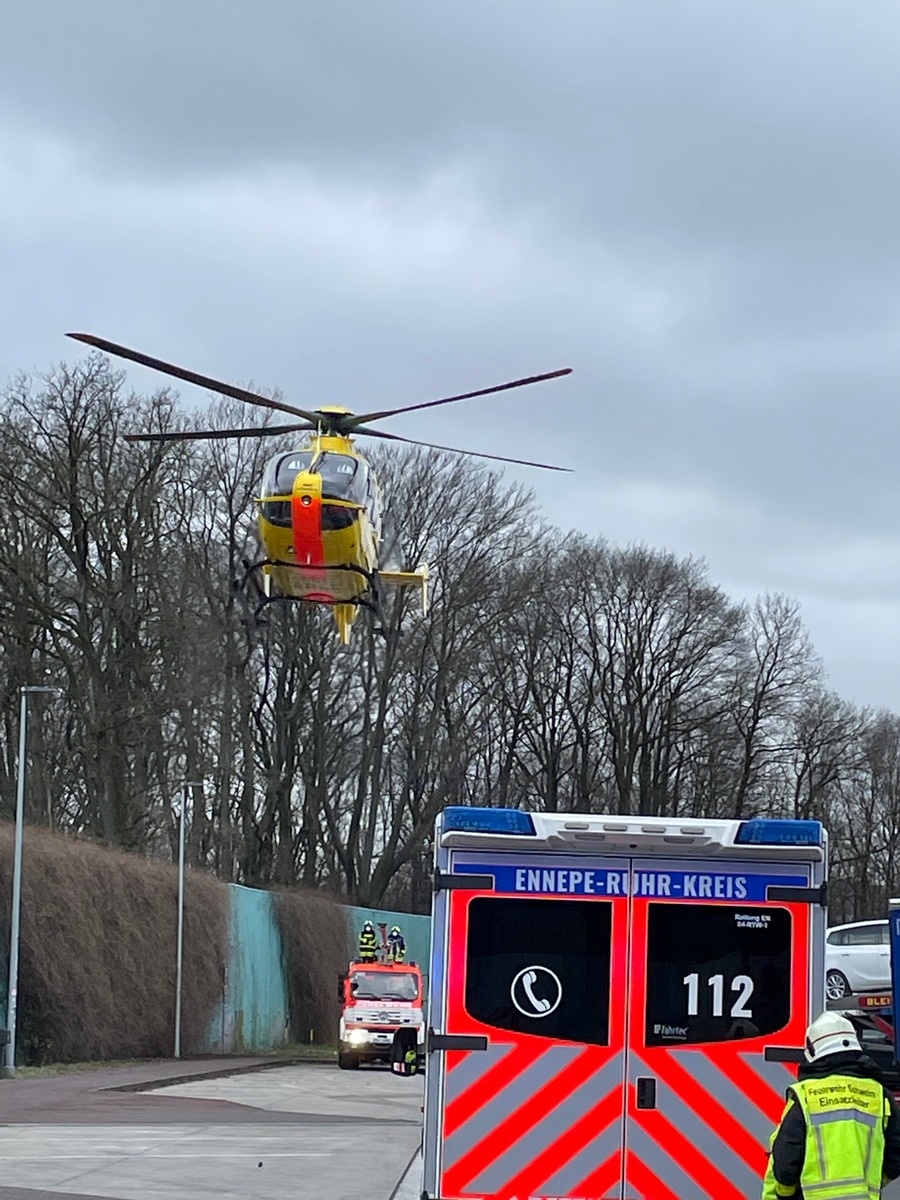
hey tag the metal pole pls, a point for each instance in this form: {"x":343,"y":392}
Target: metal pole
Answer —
{"x":180,"y":952}
{"x":9,"y":1066}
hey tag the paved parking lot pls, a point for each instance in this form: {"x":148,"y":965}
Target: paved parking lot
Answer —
{"x":290,"y":1133}
{"x":371,"y":1093}
{"x":313,"y":1132}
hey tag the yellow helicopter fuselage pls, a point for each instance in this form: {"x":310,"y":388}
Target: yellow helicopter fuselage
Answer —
{"x":320,"y":526}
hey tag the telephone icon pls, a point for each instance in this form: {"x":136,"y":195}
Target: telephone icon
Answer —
{"x":524,"y":996}
{"x":529,"y":979}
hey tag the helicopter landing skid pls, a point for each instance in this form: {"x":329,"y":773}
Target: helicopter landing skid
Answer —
{"x":250,"y":570}
{"x":372,"y":604}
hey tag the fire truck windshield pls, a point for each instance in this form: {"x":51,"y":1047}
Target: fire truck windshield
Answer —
{"x":377,"y":985}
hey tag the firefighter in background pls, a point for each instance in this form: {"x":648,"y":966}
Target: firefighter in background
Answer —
{"x":839,"y":1135}
{"x":396,"y":945}
{"x":404,"y":1053}
{"x":368,"y":943}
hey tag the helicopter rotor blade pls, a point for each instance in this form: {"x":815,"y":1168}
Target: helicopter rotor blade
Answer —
{"x":355,"y":422}
{"x":521,"y":462}
{"x":204,"y":381}
{"x":210,"y":434}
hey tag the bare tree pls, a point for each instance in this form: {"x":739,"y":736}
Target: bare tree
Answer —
{"x":552,"y":672}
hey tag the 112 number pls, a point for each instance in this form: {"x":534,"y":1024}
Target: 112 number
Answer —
{"x":742,"y":984}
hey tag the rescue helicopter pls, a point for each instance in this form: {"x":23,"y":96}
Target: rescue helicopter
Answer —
{"x":319,"y":508}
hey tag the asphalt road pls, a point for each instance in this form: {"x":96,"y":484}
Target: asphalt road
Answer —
{"x":306,"y":1132}
{"x":295,"y":1132}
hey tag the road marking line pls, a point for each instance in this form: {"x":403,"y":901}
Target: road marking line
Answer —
{"x":24,"y":1158}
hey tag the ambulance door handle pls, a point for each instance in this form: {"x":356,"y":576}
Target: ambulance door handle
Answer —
{"x":444,"y":882}
{"x":798,"y":895}
{"x":455,"y":1041}
{"x":646,"y":1091}
{"x":784,"y":1054}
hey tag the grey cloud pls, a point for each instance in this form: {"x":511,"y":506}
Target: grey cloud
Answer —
{"x":692,"y":203}
{"x":752,"y":141}
{"x":705,"y":111}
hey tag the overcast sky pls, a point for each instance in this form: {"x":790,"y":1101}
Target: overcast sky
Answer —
{"x":693,"y":204}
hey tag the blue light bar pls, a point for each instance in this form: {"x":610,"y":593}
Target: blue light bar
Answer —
{"x":766,"y":831}
{"x":488,"y":820}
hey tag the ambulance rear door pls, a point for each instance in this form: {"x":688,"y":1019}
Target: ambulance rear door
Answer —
{"x":534,"y":947}
{"x":609,"y":1021}
{"x":720,"y":970}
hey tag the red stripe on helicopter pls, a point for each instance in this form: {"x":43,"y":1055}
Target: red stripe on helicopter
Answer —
{"x":306,"y":522}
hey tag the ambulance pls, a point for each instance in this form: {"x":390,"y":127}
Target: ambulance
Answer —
{"x":617,"y":1003}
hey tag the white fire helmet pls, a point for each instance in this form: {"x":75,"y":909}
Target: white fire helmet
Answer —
{"x":830,"y":1034}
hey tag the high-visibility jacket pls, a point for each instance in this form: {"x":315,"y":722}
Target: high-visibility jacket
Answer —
{"x":368,"y":944}
{"x":845,"y":1119}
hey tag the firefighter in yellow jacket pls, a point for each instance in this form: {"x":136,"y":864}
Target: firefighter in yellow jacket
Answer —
{"x":839,"y":1136}
{"x":368,"y":944}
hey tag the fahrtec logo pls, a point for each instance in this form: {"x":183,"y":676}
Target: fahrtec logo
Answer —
{"x":672,"y":1031}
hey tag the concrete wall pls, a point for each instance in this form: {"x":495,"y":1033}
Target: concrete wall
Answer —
{"x":254,"y":1014}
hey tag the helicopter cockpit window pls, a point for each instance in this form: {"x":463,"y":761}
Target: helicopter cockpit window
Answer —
{"x":343,"y":478}
{"x":278,"y":478}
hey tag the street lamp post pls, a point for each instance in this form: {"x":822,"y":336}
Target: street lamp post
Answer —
{"x":8,"y":1070}
{"x":180,"y":950}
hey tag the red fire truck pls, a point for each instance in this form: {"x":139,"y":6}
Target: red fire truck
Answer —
{"x":377,"y":1001}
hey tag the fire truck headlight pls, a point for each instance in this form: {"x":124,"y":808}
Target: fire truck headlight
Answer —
{"x":358,"y":1037}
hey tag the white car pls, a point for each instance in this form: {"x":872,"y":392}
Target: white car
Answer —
{"x":857,"y":958}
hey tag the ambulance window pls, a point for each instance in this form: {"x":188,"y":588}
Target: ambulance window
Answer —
{"x":540,"y":966}
{"x":716,"y":973}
